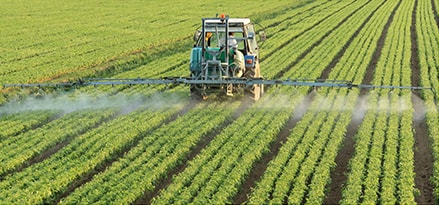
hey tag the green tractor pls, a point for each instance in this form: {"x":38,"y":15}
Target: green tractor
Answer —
{"x":225,"y":49}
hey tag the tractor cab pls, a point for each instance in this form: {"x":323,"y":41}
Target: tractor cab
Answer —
{"x":225,"y":48}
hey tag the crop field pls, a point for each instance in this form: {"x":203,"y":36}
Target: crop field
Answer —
{"x":154,"y":145}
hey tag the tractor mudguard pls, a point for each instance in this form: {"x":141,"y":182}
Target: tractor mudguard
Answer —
{"x":195,"y":62}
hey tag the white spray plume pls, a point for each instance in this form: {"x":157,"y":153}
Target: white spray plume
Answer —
{"x":67,"y":104}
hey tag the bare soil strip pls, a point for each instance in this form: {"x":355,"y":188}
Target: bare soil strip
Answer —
{"x":339,"y":174}
{"x":101,"y":167}
{"x":163,"y":183}
{"x":423,"y":153}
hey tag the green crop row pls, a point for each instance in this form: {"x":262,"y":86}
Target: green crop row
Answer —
{"x":302,"y":21}
{"x":293,"y":180}
{"x":215,"y":174}
{"x":300,"y":45}
{"x":34,"y":50}
{"x":321,"y":55}
{"x":43,"y":181}
{"x":382,"y":169}
{"x":16,"y":123}
{"x":352,"y":65}
{"x":158,"y":153}
{"x":18,"y":149}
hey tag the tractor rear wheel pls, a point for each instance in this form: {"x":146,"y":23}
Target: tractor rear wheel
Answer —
{"x":196,"y":93}
{"x":255,"y":91}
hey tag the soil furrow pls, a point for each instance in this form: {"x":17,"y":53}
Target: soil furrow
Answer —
{"x":338,"y":175}
{"x":423,"y":152}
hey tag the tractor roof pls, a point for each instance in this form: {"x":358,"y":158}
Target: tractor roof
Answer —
{"x":245,"y":21}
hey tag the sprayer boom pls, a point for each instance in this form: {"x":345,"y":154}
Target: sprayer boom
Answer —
{"x":226,"y":81}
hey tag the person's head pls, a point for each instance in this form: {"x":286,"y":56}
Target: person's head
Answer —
{"x":231,"y":33}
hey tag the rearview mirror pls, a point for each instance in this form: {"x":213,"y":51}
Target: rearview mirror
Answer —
{"x":197,"y":35}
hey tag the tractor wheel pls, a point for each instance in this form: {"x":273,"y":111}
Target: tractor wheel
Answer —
{"x":196,"y":93}
{"x":253,"y":92}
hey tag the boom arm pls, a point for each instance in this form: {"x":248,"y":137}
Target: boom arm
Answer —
{"x":227,"y":81}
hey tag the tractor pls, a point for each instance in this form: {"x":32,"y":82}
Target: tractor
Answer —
{"x":226,"y":48}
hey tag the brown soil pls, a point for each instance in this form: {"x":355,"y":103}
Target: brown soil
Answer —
{"x":423,"y":153}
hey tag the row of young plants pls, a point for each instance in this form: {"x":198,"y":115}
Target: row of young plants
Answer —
{"x":15,"y":123}
{"x":43,"y":182}
{"x":161,"y":151}
{"x":303,"y":19}
{"x":382,"y":169}
{"x":17,"y":150}
{"x":118,"y":31}
{"x":334,"y":41}
{"x":303,"y":166}
{"x":309,"y":150}
{"x":270,"y":20}
{"x":428,"y":38}
{"x":351,"y":66}
{"x":214,"y":175}
{"x":306,"y":41}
